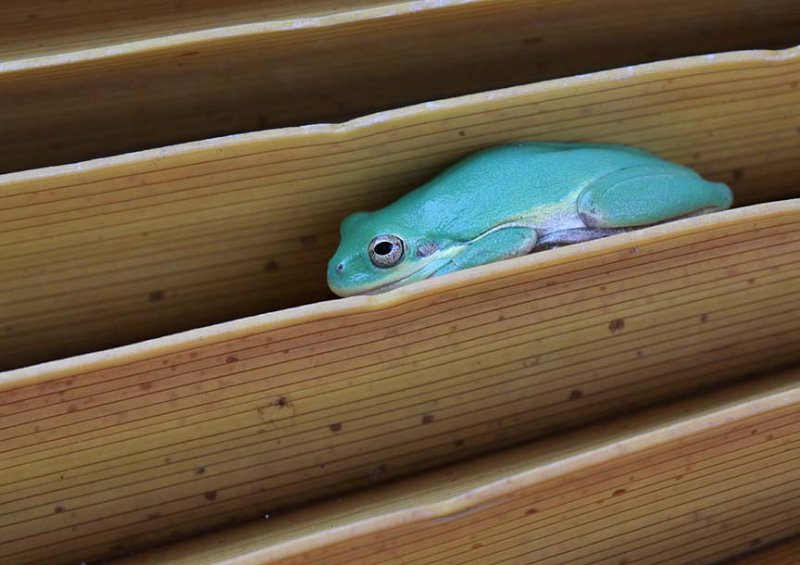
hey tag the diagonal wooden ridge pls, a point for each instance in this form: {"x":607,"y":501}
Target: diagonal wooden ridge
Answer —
{"x":700,"y":481}
{"x":185,"y":236}
{"x":156,"y":440}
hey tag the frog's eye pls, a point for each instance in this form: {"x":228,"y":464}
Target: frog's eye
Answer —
{"x":386,"y":251}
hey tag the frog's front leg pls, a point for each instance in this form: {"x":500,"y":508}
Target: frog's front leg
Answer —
{"x":502,"y":242}
{"x":649,"y":194}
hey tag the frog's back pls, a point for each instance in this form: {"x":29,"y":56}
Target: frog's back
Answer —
{"x":513,"y":181}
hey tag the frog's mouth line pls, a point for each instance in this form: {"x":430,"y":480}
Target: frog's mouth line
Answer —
{"x":426,"y":271}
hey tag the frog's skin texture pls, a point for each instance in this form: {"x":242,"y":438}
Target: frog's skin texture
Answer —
{"x":511,"y":200}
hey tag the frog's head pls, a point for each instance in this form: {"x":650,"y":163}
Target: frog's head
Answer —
{"x":377,"y":252}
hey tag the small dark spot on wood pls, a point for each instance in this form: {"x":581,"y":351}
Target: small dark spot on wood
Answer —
{"x":530,"y":361}
{"x":754,"y":431}
{"x":770,"y":437}
{"x":37,"y":429}
{"x":336,"y":427}
{"x":71,"y":408}
{"x":379,"y":471}
{"x":154,"y":515}
{"x":200,"y":470}
{"x":458,"y":443}
{"x":193,"y":354}
{"x":678,"y":477}
{"x":32,"y":16}
{"x":9,"y":329}
{"x":531,"y":511}
{"x":271,"y":266}
{"x":634,"y":250}
{"x":58,"y":509}
{"x":282,"y":402}
{"x":639,"y":353}
{"x":188,"y":53}
{"x":427,"y":419}
{"x":146,"y":386}
{"x":308,"y":241}
{"x":156,"y":296}
{"x":211,"y":495}
{"x":703,"y":318}
{"x":167,"y":460}
{"x":619,"y":492}
{"x":323,"y":466}
{"x":477,"y":545}
{"x":737,"y":174}
{"x":751,"y":281}
{"x":231,"y":359}
{"x":576,"y":394}
{"x":462,"y":133}
{"x":616,"y":325}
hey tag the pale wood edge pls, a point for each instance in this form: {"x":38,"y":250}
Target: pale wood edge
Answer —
{"x":329,"y":133}
{"x":37,"y":374}
{"x":657,"y":427}
{"x":251,"y":31}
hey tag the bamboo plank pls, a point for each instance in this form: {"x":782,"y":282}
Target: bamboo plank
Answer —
{"x":191,"y":235}
{"x":93,"y":79}
{"x":154,"y":441}
{"x":700,"y":481}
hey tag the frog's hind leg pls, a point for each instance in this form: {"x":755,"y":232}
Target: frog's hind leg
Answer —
{"x":649,"y":194}
{"x":502,"y":242}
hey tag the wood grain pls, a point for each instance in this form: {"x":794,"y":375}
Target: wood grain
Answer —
{"x":698,"y":482}
{"x":256,"y":69}
{"x":157,"y":440}
{"x":191,"y":235}
{"x":40,"y":28}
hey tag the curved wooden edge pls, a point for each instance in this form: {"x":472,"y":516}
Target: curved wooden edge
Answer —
{"x":43,"y":372}
{"x":211,"y":37}
{"x":481,"y":484}
{"x":184,"y":154}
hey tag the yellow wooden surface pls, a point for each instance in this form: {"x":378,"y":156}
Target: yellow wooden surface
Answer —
{"x":697,"y":482}
{"x":260,"y":70}
{"x":160,"y":439}
{"x":184,"y":236}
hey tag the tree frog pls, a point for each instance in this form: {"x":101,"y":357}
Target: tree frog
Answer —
{"x":511,"y":200}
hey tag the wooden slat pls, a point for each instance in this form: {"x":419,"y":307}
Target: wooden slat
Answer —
{"x":191,"y":235}
{"x":699,"y":482}
{"x":157,"y":440}
{"x":38,"y":28}
{"x":88,"y":101}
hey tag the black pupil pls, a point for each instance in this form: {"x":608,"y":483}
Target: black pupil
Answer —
{"x":383,"y":248}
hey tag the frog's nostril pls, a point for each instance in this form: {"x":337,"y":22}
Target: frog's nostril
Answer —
{"x":340,"y":267}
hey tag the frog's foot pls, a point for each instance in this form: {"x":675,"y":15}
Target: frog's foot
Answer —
{"x":576,"y":235}
{"x":502,"y":242}
{"x":649,"y":194}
